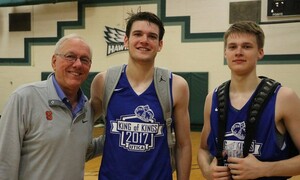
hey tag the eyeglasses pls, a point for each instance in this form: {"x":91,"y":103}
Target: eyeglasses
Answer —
{"x":72,"y":58}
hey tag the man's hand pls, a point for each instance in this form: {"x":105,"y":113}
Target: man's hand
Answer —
{"x":245,"y":168}
{"x":218,"y":172}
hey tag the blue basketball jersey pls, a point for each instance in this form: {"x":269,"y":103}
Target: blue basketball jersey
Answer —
{"x":264,"y":145}
{"x":136,"y":138}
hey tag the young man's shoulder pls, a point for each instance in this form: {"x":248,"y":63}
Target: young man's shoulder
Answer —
{"x":100,"y":75}
{"x":286,"y":95}
{"x":179,"y":80}
{"x":98,"y":80}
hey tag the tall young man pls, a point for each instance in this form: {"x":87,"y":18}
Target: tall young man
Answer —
{"x":134,"y":102}
{"x":276,"y":132}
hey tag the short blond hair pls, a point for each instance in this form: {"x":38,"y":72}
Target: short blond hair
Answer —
{"x":248,"y":27}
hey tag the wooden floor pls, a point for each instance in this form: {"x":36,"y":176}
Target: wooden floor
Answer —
{"x":92,"y":166}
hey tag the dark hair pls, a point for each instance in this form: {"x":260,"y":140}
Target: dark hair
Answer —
{"x":145,"y":16}
{"x":248,"y":27}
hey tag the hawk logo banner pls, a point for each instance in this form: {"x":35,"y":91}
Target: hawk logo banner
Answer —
{"x":115,"y":40}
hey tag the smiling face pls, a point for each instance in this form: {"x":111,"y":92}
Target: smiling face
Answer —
{"x":242,"y":53}
{"x":143,"y":42}
{"x":71,"y":74}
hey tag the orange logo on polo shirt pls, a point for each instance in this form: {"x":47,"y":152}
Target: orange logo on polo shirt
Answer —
{"x":49,"y":115}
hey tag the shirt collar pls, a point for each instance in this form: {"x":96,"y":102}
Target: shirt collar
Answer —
{"x":64,"y":99}
{"x":58,"y":89}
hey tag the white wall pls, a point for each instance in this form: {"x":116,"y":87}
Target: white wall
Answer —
{"x":176,"y":55}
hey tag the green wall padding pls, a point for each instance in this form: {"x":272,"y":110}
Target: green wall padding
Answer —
{"x":198,"y":84}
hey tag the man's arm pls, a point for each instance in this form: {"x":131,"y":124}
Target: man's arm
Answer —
{"x":97,"y":90}
{"x":95,"y":148}
{"x":182,"y":127}
{"x":206,"y":162}
{"x":12,"y":131}
{"x":287,"y":113}
{"x":204,"y":159}
{"x":289,"y":106}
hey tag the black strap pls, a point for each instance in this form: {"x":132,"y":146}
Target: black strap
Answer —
{"x":262,"y":95}
{"x":223,"y":96}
